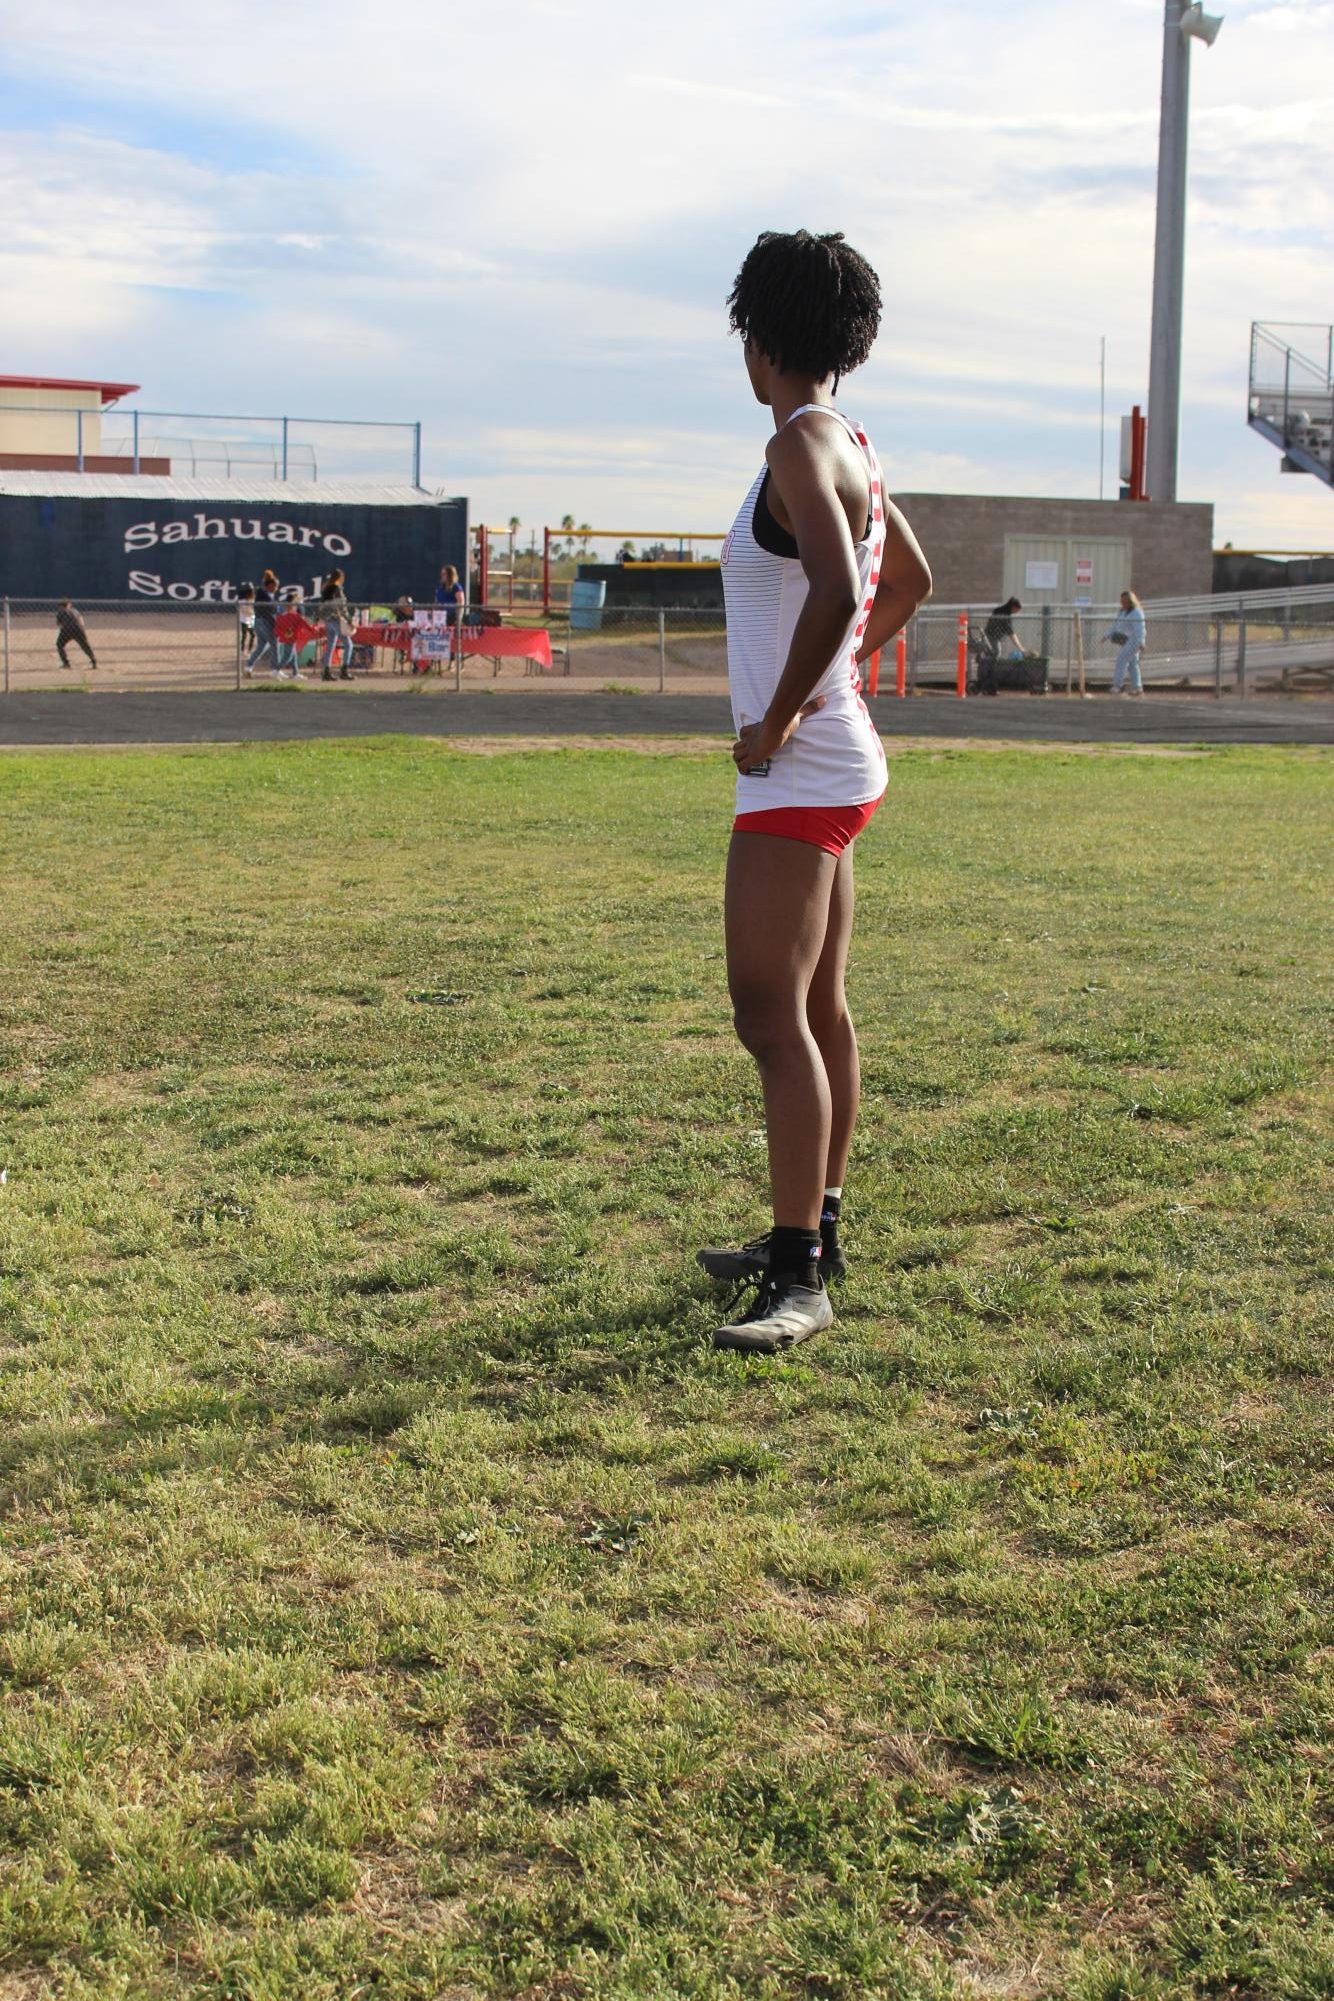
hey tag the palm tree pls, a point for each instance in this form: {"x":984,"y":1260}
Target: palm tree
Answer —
{"x":583,"y":531}
{"x":567,"y":530}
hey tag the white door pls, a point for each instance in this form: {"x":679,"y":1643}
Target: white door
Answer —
{"x":1060,"y":569}
{"x":1099,"y":569}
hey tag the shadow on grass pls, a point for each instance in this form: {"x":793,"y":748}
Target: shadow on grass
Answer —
{"x":366,"y":1383}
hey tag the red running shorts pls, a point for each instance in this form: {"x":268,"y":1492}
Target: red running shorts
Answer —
{"x":832,"y":828}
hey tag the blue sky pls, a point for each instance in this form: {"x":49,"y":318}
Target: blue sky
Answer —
{"x":521,"y":224}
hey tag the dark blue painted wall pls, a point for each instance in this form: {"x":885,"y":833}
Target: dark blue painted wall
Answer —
{"x":190,"y":550}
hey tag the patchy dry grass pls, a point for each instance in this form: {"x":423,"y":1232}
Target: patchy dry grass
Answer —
{"x":399,"y":1596}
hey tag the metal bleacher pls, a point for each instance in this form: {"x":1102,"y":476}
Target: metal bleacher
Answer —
{"x":1292,"y":395}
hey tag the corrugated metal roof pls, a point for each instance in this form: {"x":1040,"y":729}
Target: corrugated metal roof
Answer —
{"x":216,"y":492}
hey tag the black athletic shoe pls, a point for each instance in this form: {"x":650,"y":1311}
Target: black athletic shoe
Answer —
{"x":785,"y":1313}
{"x":752,"y":1261}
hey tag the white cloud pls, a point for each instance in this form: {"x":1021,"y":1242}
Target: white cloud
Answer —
{"x":522,"y":225}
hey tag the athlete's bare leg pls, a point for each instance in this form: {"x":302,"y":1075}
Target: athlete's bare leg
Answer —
{"x":831,"y":1024}
{"x":777,"y":916}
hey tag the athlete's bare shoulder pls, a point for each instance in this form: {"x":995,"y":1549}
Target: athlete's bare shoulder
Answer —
{"x":815,"y":452}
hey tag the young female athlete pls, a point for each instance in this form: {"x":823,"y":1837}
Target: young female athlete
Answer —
{"x":818,"y":571}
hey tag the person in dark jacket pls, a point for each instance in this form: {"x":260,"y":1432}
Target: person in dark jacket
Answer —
{"x":998,"y":643}
{"x":999,"y":632}
{"x":70,"y":631}
{"x":337,"y":615}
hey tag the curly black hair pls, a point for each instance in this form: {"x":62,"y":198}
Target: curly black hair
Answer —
{"x":811,"y":303}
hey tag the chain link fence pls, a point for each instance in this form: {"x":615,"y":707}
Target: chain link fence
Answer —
{"x":647,"y":649}
{"x":1219,"y":647}
{"x":1268,"y":641}
{"x":123,"y":644}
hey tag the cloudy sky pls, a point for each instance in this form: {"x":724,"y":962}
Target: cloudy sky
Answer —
{"x":520,"y":222}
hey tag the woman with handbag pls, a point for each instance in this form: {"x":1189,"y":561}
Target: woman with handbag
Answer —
{"x":1128,"y":633}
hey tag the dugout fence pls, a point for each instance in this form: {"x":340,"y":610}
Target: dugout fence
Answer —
{"x":1224,"y":646}
{"x":514,"y":568}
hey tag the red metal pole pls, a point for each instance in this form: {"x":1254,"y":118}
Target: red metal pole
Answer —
{"x":873,"y":673}
{"x":961,"y":679}
{"x":901,"y":665}
{"x":1138,"y":442}
{"x":546,"y":569}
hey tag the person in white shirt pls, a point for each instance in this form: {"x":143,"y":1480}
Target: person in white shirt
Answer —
{"x":1128,"y":631}
{"x":819,"y":571}
{"x":245,"y":618}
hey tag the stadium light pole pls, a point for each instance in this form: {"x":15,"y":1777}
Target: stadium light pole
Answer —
{"x":1183,"y":23}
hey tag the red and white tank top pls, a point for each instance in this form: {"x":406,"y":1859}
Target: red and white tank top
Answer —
{"x":835,"y":757}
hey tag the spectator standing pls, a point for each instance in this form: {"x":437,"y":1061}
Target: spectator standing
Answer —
{"x":450,"y":595}
{"x":266,"y":610}
{"x":337,"y":616}
{"x":70,"y":630}
{"x":245,"y":619}
{"x":1128,"y":633}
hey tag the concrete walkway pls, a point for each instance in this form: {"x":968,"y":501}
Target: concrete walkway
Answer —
{"x":72,"y":718}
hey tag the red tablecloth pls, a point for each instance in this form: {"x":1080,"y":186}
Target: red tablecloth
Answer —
{"x":397,"y":636}
{"x":508,"y":642}
{"x":492,"y":642}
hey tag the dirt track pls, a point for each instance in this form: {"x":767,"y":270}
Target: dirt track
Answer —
{"x":267,"y":714}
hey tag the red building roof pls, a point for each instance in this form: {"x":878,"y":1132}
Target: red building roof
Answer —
{"x":110,"y":392}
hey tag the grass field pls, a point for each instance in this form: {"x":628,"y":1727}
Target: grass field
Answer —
{"x":401,"y":1599}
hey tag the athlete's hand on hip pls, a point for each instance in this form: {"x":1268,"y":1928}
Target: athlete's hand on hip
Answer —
{"x":758,"y":741}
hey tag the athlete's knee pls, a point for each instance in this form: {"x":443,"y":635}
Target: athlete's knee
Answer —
{"x":764,"y":1026}
{"x":829,"y":1019}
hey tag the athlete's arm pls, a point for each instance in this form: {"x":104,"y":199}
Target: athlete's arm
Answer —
{"x":807,"y":470}
{"x":905,"y":582}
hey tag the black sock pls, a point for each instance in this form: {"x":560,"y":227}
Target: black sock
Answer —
{"x":795,"y":1254}
{"x":830,"y":1211}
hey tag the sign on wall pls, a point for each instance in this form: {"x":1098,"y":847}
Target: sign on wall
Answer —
{"x":200,"y":552}
{"x":1042,"y":576}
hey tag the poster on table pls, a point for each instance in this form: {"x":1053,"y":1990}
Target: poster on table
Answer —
{"x":431,"y":635}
